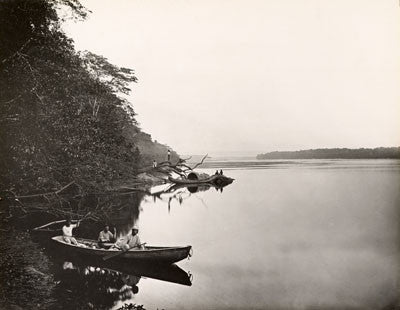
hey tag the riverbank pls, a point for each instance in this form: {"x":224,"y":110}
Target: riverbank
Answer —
{"x":26,"y":281}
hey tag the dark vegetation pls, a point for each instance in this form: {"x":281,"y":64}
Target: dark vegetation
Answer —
{"x":70,"y":147}
{"x":24,"y":279}
{"x":337,"y":153}
{"x":62,"y":116}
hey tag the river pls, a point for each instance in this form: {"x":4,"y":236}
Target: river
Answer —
{"x":306,"y":234}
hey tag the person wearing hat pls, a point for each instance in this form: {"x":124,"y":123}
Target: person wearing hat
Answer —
{"x":106,"y":236}
{"x":133,"y":240}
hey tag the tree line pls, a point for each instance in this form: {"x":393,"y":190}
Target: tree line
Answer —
{"x":62,"y":114}
{"x":361,"y":153}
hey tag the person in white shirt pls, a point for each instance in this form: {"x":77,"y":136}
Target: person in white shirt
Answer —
{"x":106,"y":236}
{"x":67,"y":232}
{"x":132,"y":241}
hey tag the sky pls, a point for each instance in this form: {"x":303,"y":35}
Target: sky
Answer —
{"x":249,"y":76}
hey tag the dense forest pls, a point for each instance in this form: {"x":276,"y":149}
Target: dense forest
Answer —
{"x":380,"y":152}
{"x":62,"y":114}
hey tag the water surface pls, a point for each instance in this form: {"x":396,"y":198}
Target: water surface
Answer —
{"x":289,"y":235}
{"x":309,"y":234}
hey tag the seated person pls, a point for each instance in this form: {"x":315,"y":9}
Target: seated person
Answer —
{"x":132,"y":241}
{"x":106,"y":236}
{"x":67,"y":232}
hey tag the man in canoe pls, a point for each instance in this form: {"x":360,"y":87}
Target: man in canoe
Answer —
{"x":67,"y":232}
{"x":106,"y":236}
{"x":132,"y":241}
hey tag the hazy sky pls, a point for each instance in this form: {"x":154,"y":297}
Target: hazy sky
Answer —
{"x":253,"y":76}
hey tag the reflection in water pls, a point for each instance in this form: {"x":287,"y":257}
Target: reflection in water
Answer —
{"x":301,"y":238}
{"x":181,"y":192}
{"x":124,"y":212}
{"x":79,"y":284}
{"x":95,"y":287}
{"x":102,"y":285}
{"x":117,"y":210}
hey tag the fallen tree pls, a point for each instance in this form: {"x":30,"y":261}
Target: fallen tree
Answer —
{"x":69,"y":204}
{"x":180,"y":167}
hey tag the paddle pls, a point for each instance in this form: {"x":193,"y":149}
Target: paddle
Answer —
{"x":107,"y":257}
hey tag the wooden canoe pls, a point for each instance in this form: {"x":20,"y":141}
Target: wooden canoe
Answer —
{"x":216,"y":179}
{"x":152,"y":254}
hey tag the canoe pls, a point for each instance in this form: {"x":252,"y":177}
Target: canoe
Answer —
{"x":152,"y":254}
{"x":215,"y":179}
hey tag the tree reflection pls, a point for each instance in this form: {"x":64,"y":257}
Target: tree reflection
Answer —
{"x":92,"y":287}
{"x":103,"y":285}
{"x":180,"y":192}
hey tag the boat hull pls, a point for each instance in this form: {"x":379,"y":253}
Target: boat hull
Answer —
{"x":160,"y":255}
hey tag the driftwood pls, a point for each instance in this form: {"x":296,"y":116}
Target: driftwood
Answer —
{"x":200,"y":163}
{"x":180,"y":167}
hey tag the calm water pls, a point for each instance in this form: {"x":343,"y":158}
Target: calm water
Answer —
{"x":289,"y":235}
{"x":284,"y":235}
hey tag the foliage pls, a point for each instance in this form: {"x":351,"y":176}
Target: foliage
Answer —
{"x":152,"y":150}
{"x":363,"y":153}
{"x":62,"y":117}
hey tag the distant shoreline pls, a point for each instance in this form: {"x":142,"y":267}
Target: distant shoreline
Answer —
{"x":336,"y":153}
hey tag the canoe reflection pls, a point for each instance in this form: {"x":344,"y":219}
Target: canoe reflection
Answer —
{"x":103,"y":284}
{"x":169,"y":273}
